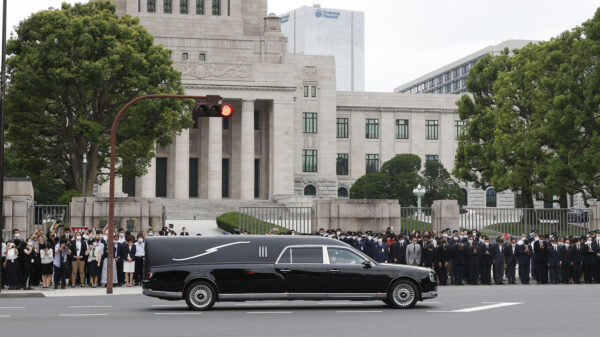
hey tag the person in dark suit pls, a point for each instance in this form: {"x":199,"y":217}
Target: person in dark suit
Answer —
{"x":554,"y":262}
{"x":565,"y":264}
{"x":441,"y":261}
{"x":457,"y":260}
{"x":472,"y":261}
{"x":588,"y":261}
{"x":398,"y":250}
{"x":575,"y":257}
{"x":541,"y":260}
{"x":485,"y":260}
{"x":511,"y":260}
{"x":427,"y":252}
{"x":596,"y":249}
{"x":498,"y":261}
{"x":523,"y":260}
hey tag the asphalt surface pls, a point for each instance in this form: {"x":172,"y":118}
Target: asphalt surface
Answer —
{"x":509,"y":310}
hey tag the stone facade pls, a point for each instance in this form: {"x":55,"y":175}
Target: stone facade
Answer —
{"x":355,"y":214}
{"x":134,"y":214}
{"x":18,"y":205}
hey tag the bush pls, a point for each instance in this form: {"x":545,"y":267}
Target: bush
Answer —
{"x":230,"y":221}
{"x":66,"y":197}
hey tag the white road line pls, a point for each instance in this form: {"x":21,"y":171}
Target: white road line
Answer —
{"x":340,"y":303}
{"x":483,"y":307}
{"x":269,"y":312}
{"x":261,"y":304}
{"x":4,"y":316}
{"x":80,"y":315}
{"x":428,"y":302}
{"x":178,"y":313}
{"x":12,"y":307}
{"x":168,"y":305}
{"x":90,"y":306}
{"x":357,"y":311}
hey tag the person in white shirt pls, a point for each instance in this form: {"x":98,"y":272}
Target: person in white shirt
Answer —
{"x":94,"y":258}
{"x":46,"y":257}
{"x":140,"y":254}
{"x":12,"y":268}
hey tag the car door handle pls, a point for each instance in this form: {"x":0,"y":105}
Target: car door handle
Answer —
{"x":285,"y":270}
{"x":334,"y":270}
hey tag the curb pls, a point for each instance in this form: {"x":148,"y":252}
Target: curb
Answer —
{"x":23,"y":295}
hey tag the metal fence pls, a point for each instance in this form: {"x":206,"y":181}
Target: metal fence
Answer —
{"x":264,"y":220}
{"x":415,"y":219}
{"x":516,"y":221}
{"x":44,"y":215}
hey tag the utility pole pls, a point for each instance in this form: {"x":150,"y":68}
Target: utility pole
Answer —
{"x":3,"y":109}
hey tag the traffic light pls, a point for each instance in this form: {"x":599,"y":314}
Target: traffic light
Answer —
{"x":212,"y":108}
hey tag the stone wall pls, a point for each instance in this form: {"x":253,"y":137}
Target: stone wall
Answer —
{"x":355,"y":214}
{"x":134,"y":214}
{"x":18,"y":204}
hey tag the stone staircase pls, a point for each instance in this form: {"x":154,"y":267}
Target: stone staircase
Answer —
{"x":202,"y":209}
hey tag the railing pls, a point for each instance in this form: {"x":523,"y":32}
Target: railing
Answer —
{"x":275,"y":220}
{"x":415,"y":219}
{"x":516,"y":221}
{"x":44,"y":215}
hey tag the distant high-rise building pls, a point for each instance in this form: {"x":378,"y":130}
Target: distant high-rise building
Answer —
{"x":323,"y":31}
{"x":451,"y":78}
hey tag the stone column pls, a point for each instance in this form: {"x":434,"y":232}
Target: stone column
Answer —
{"x":595,"y":215}
{"x":247,"y":151}
{"x":148,"y":181}
{"x":281,"y":149}
{"x":215,"y":157}
{"x":180,"y":172}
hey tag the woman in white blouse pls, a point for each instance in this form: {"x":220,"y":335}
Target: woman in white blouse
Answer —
{"x":94,"y":253}
{"x":47,"y":257}
{"x":12,"y":267}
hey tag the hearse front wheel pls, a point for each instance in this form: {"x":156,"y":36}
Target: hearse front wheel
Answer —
{"x":403,"y":294}
{"x":200,"y":296}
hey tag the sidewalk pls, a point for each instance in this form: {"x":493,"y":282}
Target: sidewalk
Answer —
{"x":69,"y":292}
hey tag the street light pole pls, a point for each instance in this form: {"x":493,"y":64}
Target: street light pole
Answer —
{"x":3,"y":109}
{"x":84,"y":184}
{"x":419,"y":191}
{"x":111,"y":193}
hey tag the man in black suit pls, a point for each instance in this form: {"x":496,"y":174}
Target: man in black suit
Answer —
{"x":498,"y":261}
{"x":575,"y":257}
{"x":398,"y":250}
{"x":457,"y":254}
{"x":565,"y":264}
{"x":523,"y":254}
{"x":554,"y":262}
{"x":588,"y":260}
{"x":511,"y":260}
{"x":596,"y":248}
{"x":473,"y":261}
{"x":441,"y":261}
{"x":541,"y":260}
{"x":485,"y":260}
{"x":427,"y":252}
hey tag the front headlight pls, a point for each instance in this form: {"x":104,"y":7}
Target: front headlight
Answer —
{"x":432,"y":276}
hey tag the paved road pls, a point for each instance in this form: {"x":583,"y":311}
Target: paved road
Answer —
{"x":571,"y":310}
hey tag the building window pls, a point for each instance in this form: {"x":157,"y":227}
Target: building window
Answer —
{"x":310,"y":190}
{"x":342,"y":164}
{"x":160,"y":187}
{"x":446,"y":77}
{"x":372,"y":163}
{"x":200,"y":7}
{"x":257,"y":178}
{"x":447,"y":88}
{"x":225,"y":178}
{"x":465,"y":69}
{"x":372,"y":128}
{"x":313,"y":91}
{"x":401,"y":128}
{"x":185,"y":56}
{"x":490,"y":198}
{"x":225,"y":123}
{"x":256,"y":120}
{"x":518,"y":199}
{"x":193,"y":178}
{"x":440,"y":90}
{"x":464,"y":197}
{"x":431,"y":84}
{"x":202,"y":57}
{"x":456,"y":85}
{"x":151,"y":6}
{"x":128,"y":186}
{"x":309,"y":160}
{"x":342,"y":128}
{"x":432,"y":157}
{"x":183,"y":6}
{"x":342,"y":192}
{"x":431,"y":129}
{"x":456,"y":73}
{"x":167,"y":6}
{"x":216,"y":7}
{"x":463,"y":83}
{"x":309,"y":122}
{"x":306,"y":91}
{"x":458,"y":129}
{"x":440,"y":80}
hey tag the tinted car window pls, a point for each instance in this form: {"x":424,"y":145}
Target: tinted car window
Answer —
{"x":307,"y":255}
{"x":343,"y":256}
{"x":285,"y":257}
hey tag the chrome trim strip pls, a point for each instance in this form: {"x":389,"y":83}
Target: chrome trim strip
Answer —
{"x":211,"y":250}
{"x":430,"y":294}
{"x":297,"y":296}
{"x":163,"y":294}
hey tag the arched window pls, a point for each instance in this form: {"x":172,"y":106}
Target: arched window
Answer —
{"x":490,"y":198}
{"x":464,"y":197}
{"x":310,"y":190}
{"x":342,"y":192}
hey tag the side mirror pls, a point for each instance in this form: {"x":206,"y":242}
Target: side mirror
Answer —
{"x":367,"y":264}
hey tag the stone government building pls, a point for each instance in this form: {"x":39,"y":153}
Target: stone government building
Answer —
{"x":292,"y":133}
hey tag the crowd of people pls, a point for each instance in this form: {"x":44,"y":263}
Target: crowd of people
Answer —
{"x":466,"y":257}
{"x":60,"y":256}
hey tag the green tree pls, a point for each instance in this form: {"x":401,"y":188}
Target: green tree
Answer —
{"x":371,"y":186}
{"x":438,"y":184}
{"x":70,"y":71}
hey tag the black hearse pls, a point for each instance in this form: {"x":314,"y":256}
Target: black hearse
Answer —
{"x":203,"y":270}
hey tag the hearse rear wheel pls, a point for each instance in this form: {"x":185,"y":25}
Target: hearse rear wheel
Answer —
{"x":403,"y":294}
{"x":200,"y":296}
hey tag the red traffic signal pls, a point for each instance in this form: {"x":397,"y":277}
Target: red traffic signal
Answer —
{"x":212,"y":108}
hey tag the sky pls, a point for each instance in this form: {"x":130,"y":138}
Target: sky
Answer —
{"x":405,"y":39}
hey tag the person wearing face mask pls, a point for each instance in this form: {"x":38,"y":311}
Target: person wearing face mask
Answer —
{"x":554,"y":261}
{"x":427,"y":252}
{"x":398,"y":250}
{"x":523,"y":260}
{"x":129,"y":261}
{"x":596,"y":265}
{"x":12,"y":269}
{"x":511,"y":261}
{"x":140,"y":246}
{"x":62,"y":251}
{"x":30,"y":255}
{"x":457,"y":256}
{"x":78,"y":252}
{"x":485,"y":260}
{"x":565,"y":264}
{"x":541,"y":259}
{"x":441,"y":261}
{"x":46,"y":258}
{"x":413,"y":252}
{"x":379,"y":250}
{"x":94,"y":259}
{"x":575,"y":257}
{"x":588,"y":261}
{"x":472,"y":261}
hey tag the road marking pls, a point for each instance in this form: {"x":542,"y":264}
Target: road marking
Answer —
{"x":269,"y":312}
{"x":90,"y":306}
{"x":4,"y":316}
{"x":12,"y":307}
{"x":428,"y":302}
{"x":340,"y":303}
{"x":168,"y":305}
{"x":80,"y":315}
{"x":357,"y":311}
{"x":483,"y":307}
{"x":262,"y":304}
{"x":178,"y":313}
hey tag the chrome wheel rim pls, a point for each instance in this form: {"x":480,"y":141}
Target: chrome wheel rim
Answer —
{"x":404,"y":295}
{"x":200,"y":296}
